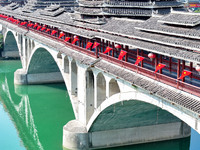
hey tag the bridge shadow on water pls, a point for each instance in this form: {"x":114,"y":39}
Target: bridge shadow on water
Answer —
{"x":39,"y":113}
{"x":180,"y":144}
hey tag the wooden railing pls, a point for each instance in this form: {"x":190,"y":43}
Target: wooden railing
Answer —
{"x":156,"y":76}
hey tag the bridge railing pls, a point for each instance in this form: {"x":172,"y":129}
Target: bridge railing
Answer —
{"x":156,"y":76}
{"x":71,"y":46}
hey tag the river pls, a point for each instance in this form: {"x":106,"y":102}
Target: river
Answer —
{"x":32,"y":117}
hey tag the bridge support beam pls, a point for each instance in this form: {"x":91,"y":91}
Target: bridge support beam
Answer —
{"x":75,"y":135}
{"x":21,"y":77}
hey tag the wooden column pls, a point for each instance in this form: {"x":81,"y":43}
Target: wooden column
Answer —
{"x":143,"y":60}
{"x":160,"y":71}
{"x":170,"y":64}
{"x":178,"y":68}
{"x":82,"y":43}
{"x":156,"y":60}
{"x":103,"y":46}
{"x":113,"y":47}
{"x":79,"y":41}
{"x":72,"y":37}
{"x":127,"y":50}
{"x":100,"y":46}
{"x":183,"y":67}
{"x":191,"y":69}
{"x":178,"y":71}
{"x":86,"y":41}
{"x":109,"y":46}
{"x":91,"y":46}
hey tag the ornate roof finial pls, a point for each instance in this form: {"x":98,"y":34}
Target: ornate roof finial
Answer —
{"x":150,"y":2}
{"x":171,"y":9}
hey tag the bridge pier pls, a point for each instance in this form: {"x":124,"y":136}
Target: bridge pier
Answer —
{"x":76,"y":137}
{"x":21,"y":77}
{"x":10,"y":54}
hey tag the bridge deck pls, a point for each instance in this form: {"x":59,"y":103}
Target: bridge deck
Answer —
{"x":155,"y":88}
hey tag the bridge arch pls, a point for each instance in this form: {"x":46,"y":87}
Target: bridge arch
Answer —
{"x":43,"y":67}
{"x":11,"y":46}
{"x":142,"y":97}
{"x":42,"y":61}
{"x":66,"y":64}
{"x":113,"y":87}
{"x":90,"y":98}
{"x":101,"y":88}
{"x":74,"y":78}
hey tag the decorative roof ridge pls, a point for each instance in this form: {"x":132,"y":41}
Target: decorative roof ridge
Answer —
{"x":128,"y":19}
{"x":99,"y":21}
{"x":184,"y":12}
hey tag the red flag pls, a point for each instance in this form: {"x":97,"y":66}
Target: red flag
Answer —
{"x":17,"y":22}
{"x":29,"y":25}
{"x":139,"y":59}
{"x":108,"y":49}
{"x":38,"y":28}
{"x":13,"y":20}
{"x":89,"y":44}
{"x":67,"y":39}
{"x":184,"y":73}
{"x":74,"y":41}
{"x":61,"y":34}
{"x":95,"y":45}
{"x":47,"y":30}
{"x":53,"y":32}
{"x":122,"y":54}
{"x":159,"y":66}
{"x":35,"y":25}
{"x":23,"y":23}
{"x":43,"y":28}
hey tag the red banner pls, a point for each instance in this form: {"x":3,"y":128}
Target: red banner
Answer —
{"x":139,"y":59}
{"x":122,"y":54}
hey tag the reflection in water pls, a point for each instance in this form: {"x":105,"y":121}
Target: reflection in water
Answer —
{"x":39,"y":113}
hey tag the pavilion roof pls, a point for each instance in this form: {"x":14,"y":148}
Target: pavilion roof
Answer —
{"x":125,"y":31}
{"x":181,"y":18}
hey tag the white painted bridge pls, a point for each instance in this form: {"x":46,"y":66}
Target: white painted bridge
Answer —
{"x":108,"y":108}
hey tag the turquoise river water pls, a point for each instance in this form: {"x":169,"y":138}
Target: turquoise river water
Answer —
{"x":32,"y":117}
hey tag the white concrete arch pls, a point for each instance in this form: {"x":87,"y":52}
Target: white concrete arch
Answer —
{"x":74,"y":77}
{"x":14,"y":34}
{"x":65,"y":64}
{"x":139,"y":96}
{"x":113,"y":87}
{"x":11,"y":44}
{"x":37,"y":46}
{"x":55,"y":75}
{"x":101,"y":88}
{"x":90,"y":96}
